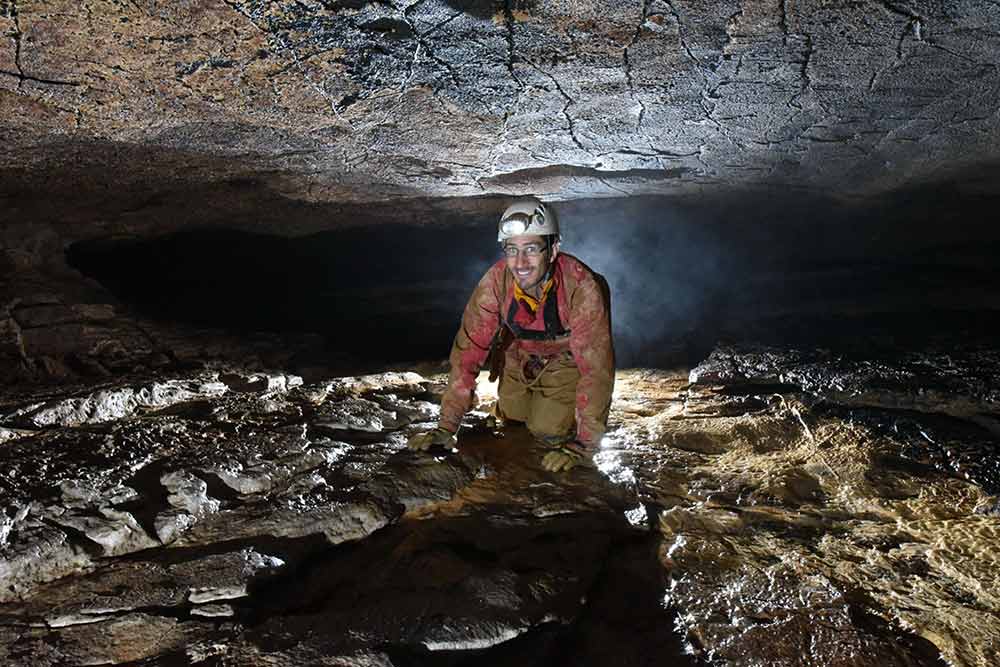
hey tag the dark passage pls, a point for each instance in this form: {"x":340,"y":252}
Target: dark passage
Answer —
{"x":394,"y":295}
{"x":684,"y":275}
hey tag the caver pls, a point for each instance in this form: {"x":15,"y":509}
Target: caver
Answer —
{"x":541,"y":319}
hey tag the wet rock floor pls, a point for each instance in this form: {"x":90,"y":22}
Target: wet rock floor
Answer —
{"x":768,"y":507}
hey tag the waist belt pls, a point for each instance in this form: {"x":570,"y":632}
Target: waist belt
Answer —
{"x":534,"y":366}
{"x":536,"y":363}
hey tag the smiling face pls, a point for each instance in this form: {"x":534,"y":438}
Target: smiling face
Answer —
{"x":529,"y":259}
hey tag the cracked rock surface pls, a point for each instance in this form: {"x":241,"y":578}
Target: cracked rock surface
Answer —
{"x":372,"y":101}
{"x":770,"y":507}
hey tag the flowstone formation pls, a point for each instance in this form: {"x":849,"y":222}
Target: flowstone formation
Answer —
{"x":772,"y":507}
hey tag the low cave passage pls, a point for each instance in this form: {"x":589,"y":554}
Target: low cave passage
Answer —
{"x":236,"y":239}
{"x":684,"y":276}
{"x":739,"y":476}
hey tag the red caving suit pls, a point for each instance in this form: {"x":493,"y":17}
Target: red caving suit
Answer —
{"x":581,"y":357}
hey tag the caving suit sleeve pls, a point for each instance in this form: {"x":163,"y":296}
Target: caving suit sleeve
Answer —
{"x":471,"y":347}
{"x":593,"y":350}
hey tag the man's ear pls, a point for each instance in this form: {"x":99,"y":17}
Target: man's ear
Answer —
{"x":555,"y":249}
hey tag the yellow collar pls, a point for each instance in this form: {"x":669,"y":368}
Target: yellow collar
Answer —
{"x":529,"y":300}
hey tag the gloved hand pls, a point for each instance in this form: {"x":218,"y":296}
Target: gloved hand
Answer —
{"x":561,"y":459}
{"x":423,"y":441}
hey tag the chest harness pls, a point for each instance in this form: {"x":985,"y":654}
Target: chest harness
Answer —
{"x":550,"y":312}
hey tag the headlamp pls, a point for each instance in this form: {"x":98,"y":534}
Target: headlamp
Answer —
{"x":518,"y":223}
{"x":515,"y":225}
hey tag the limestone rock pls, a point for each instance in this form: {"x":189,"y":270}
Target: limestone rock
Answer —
{"x":226,"y":577}
{"x":954,"y":382}
{"x":188,"y":496}
{"x":765,"y":525}
{"x":357,"y":414}
{"x":117,"y":533}
{"x":39,"y":554}
{"x":169,"y":525}
{"x":260,"y":383}
{"x":12,"y":433}
{"x":377,"y":101}
{"x":280,"y":472}
{"x":405,"y":382}
{"x":112,"y":404}
{"x":114,"y":640}
{"x":126,"y":586}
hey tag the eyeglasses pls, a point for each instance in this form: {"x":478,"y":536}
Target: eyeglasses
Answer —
{"x":530,"y":250}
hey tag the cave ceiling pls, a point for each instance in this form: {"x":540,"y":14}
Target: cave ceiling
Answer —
{"x":352,"y":101}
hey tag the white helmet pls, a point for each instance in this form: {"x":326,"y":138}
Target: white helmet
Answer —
{"x":527,"y":216}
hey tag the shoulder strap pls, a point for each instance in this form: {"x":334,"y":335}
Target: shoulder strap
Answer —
{"x":553,"y":325}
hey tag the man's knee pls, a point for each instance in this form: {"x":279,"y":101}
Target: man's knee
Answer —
{"x":513,"y":400}
{"x":551,"y":420}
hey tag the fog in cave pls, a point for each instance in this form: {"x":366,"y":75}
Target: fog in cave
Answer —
{"x":684,"y":275}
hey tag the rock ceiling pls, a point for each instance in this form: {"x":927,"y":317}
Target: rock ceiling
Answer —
{"x":345,"y":100}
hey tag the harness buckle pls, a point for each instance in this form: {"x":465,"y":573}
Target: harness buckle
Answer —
{"x":534,"y":366}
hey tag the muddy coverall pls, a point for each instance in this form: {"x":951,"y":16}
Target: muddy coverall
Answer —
{"x":559,"y":371}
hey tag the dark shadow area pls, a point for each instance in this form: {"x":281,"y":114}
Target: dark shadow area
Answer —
{"x":391,"y":296}
{"x":684,"y":273}
{"x":574,"y":590}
